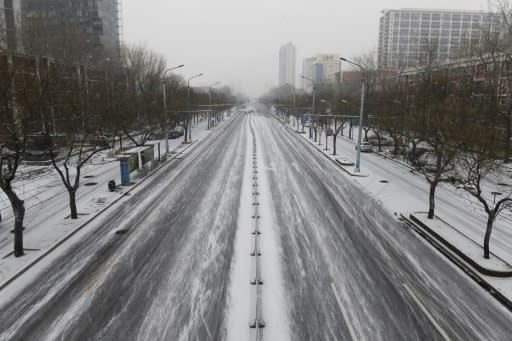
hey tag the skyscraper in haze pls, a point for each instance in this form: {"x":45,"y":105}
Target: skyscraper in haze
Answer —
{"x":321,"y":68}
{"x":287,"y":64}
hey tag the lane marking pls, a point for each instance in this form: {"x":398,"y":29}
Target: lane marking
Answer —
{"x":426,"y":312}
{"x":343,"y":312}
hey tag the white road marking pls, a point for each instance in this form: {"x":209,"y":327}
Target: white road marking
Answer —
{"x":344,"y":313}
{"x":427,"y":313}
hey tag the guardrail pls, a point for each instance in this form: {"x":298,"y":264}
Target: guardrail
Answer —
{"x":257,"y":323}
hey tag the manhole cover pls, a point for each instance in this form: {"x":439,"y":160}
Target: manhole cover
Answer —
{"x":504,"y":184}
{"x":89,"y":176}
{"x":91,"y":184}
{"x":384,"y":181}
{"x":122,"y":231}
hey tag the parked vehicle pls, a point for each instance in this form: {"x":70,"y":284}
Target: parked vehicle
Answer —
{"x":174,"y":134}
{"x":384,"y":141}
{"x":366,"y":147}
{"x":328,"y":132}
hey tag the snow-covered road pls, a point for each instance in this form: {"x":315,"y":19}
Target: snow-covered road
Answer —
{"x":352,"y":271}
{"x":166,"y":278}
{"x":334,"y":261}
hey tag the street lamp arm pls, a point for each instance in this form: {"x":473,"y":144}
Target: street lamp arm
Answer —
{"x":353,"y":63}
{"x":306,"y":78}
{"x":188,"y":81}
{"x":173,"y":68}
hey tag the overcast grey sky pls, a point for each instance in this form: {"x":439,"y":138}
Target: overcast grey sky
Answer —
{"x":237,"y":41}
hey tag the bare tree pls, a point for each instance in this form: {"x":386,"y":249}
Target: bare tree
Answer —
{"x":77,"y":125}
{"x":144,"y":71}
{"x":477,"y":173}
{"x":444,"y":119}
{"x":15,"y":128}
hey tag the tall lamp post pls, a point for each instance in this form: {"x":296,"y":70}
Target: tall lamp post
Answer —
{"x":164,"y":97}
{"x":188,"y":100}
{"x":210,"y":101}
{"x":292,"y":87}
{"x":313,"y":104}
{"x":361,"y":111}
{"x":329,"y":126}
{"x":163,"y":85}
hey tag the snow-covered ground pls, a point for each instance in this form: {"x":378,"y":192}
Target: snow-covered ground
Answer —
{"x":46,"y":200}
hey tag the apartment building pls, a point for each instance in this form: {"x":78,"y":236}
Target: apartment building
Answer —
{"x":53,"y":27}
{"x":405,"y":34}
{"x":322,"y":68}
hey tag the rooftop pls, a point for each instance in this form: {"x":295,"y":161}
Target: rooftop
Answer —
{"x":433,"y":10}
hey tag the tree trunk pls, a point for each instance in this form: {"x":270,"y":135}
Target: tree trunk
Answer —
{"x":378,"y":141}
{"x":487,"y":238}
{"x":366,"y":134}
{"x":72,"y":203}
{"x":508,"y":137}
{"x":334,"y":144}
{"x":431,"y":200}
{"x":18,"y":209}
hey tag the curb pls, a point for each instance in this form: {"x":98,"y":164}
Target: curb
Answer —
{"x":462,"y":255}
{"x":459,"y":263}
{"x":72,"y":233}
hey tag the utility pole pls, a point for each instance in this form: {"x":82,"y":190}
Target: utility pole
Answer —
{"x":361,"y":112}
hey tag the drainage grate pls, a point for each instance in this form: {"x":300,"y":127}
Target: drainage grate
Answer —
{"x":384,"y":181}
{"x":90,"y":184}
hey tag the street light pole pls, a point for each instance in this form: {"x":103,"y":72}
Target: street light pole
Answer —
{"x":361,"y":112}
{"x":164,"y":98}
{"x":210,"y":102}
{"x":188,"y":104}
{"x":330,"y":111}
{"x":163,"y":85}
{"x":313,"y":91}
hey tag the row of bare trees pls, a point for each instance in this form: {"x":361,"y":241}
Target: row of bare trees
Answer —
{"x":71,"y":110}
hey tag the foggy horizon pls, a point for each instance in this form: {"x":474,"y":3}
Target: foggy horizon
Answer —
{"x":229,"y":40}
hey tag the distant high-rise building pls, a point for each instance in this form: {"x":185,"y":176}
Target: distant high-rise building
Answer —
{"x":62,"y":28}
{"x":287,"y":64}
{"x":307,"y":71}
{"x":405,"y":34}
{"x":9,"y":10}
{"x":321,"y":68}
